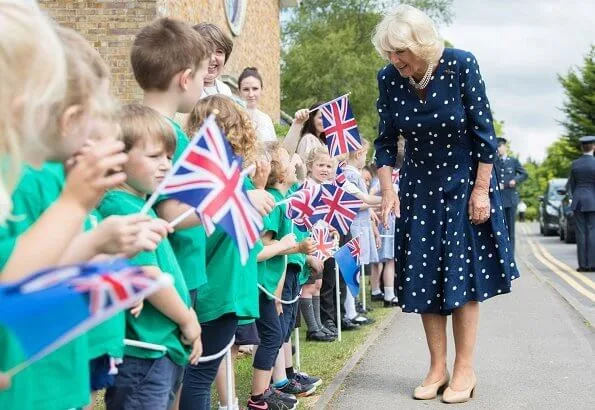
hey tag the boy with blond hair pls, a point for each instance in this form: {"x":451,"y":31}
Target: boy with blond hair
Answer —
{"x":146,"y":378}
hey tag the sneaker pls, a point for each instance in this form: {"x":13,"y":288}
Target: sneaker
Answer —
{"x":319,"y":336}
{"x":286,"y":397}
{"x":305,"y":379}
{"x":271,"y":401}
{"x":257,"y":405}
{"x":296,"y":388}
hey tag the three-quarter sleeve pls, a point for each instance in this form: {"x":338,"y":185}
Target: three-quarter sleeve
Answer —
{"x":386,"y":142}
{"x":477,"y":110}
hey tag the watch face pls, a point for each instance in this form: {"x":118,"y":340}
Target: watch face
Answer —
{"x":235,"y":10}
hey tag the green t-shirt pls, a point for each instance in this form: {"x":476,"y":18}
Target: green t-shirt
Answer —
{"x":108,"y":337}
{"x":231,"y":287}
{"x":296,"y":258}
{"x":61,"y":379}
{"x":188,"y":244}
{"x":271,"y":270}
{"x":151,"y":326}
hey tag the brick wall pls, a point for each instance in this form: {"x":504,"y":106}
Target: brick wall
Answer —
{"x":110,"y":26}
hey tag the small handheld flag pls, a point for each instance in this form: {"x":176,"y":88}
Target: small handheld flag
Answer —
{"x":340,"y":178}
{"x":208,"y":177}
{"x":49,"y":308}
{"x":337,"y":207}
{"x":325,"y":245}
{"x":340,"y":127}
{"x":347,"y":258}
{"x":301,"y":206}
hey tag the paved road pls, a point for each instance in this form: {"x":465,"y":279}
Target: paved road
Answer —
{"x":556,"y":261}
{"x":535,"y":350}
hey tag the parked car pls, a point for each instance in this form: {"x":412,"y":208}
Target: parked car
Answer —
{"x":567,"y":228}
{"x":549,"y":203}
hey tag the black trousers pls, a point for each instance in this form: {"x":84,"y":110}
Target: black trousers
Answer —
{"x":585,"y":239}
{"x":509,"y":215}
{"x":328,"y":307}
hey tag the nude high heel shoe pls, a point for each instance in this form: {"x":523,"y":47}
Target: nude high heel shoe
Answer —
{"x":430,"y":391}
{"x":459,"y":396}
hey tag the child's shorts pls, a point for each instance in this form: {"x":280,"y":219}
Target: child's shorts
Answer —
{"x":143,"y":384}
{"x":314,"y":276}
{"x":247,"y":334}
{"x":100,"y":373}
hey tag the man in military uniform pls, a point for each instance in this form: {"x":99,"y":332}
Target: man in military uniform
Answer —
{"x":582,"y":188}
{"x":510,"y":173}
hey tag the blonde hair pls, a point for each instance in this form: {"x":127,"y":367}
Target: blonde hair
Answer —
{"x":406,"y":27}
{"x":233,"y":121}
{"x":315,"y":155}
{"x":33,"y":73}
{"x":139,"y":124}
{"x":365,"y":147}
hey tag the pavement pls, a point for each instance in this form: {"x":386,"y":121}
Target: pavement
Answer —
{"x":535,"y":349}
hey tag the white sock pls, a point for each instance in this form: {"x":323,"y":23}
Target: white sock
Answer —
{"x":350,"y":311}
{"x":389,"y":293}
{"x":376,"y":291}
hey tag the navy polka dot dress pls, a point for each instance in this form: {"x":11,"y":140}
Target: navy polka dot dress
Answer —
{"x":442,"y":260}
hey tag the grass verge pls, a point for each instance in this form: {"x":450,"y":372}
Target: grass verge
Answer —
{"x":320,"y":359}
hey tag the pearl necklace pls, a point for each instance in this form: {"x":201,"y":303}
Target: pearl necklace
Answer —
{"x":425,"y":80}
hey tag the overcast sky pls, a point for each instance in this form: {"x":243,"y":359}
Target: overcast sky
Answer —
{"x":521,"y":45}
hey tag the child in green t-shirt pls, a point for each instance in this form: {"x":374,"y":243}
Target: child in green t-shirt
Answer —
{"x":169,"y":60}
{"x":271,"y":278}
{"x":285,"y":378}
{"x":147,"y":377}
{"x":231,"y":292}
{"x":54,"y":118}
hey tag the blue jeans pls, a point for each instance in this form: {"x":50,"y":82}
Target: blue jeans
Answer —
{"x":291,"y":288}
{"x":196,"y":388}
{"x":142,"y":384}
{"x":271,"y":335}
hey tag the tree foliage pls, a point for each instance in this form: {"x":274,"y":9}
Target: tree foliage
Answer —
{"x":327,"y":52}
{"x":579,"y":108}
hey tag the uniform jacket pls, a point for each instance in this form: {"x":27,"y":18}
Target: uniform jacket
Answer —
{"x":506,"y":170}
{"x":582,"y":184}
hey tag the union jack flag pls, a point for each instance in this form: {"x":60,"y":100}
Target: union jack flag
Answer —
{"x":338,"y":207}
{"x":354,"y":249}
{"x":112,"y":289}
{"x":340,"y":178}
{"x":325,"y":246}
{"x":340,"y":127}
{"x":209,"y":177}
{"x":301,"y":206}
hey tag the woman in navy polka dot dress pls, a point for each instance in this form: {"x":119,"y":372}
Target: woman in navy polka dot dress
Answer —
{"x":451,"y":245}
